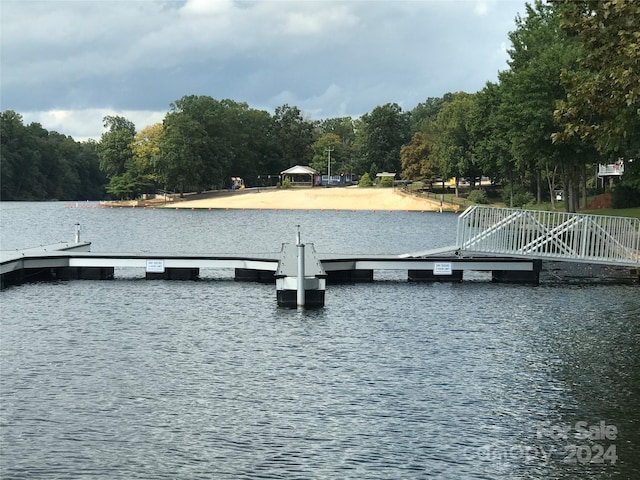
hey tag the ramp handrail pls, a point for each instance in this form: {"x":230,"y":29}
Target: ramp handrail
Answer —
{"x":553,"y":235}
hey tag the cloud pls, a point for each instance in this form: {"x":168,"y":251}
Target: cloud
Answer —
{"x":329,"y":58}
{"x":80,"y":124}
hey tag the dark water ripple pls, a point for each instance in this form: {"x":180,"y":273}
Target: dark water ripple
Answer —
{"x":207,"y":379}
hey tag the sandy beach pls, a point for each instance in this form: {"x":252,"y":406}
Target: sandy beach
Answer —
{"x":350,"y":198}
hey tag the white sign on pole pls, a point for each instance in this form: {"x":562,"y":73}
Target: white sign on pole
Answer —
{"x":155,"y":266}
{"x":442,"y":269}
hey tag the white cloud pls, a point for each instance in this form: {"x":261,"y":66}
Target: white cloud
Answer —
{"x":481,"y":8}
{"x":206,"y":7}
{"x":329,"y":18}
{"x":86,"y":124}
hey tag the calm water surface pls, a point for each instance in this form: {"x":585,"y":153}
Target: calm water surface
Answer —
{"x":209,"y":379}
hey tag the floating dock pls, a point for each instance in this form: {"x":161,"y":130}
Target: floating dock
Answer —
{"x":509,"y":243}
{"x":75,"y":261}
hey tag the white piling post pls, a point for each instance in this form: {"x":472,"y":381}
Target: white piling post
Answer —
{"x":77,"y":233}
{"x":300,"y":284}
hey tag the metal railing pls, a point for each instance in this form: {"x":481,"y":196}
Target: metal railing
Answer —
{"x":611,"y":169}
{"x":550,"y":235}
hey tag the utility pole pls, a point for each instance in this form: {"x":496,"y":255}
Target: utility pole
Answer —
{"x":329,"y":150}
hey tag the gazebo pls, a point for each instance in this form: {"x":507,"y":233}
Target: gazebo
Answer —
{"x":300,"y":170}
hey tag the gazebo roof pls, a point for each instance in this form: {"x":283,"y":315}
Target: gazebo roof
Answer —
{"x":299,"y":170}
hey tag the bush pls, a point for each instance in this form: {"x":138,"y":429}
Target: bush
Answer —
{"x":386,"y":182}
{"x":478,"y":196}
{"x":286,"y":183}
{"x":365,"y":181}
{"x":625,"y":197}
{"x":521,"y":197}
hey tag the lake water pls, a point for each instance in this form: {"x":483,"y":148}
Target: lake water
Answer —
{"x":145,"y":379}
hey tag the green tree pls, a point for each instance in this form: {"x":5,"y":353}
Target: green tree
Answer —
{"x":114,"y":149}
{"x":252,"y":147}
{"x":365,"y":181}
{"x":385,"y":130}
{"x":211,"y":154}
{"x":416,"y":160}
{"x":453,"y":149}
{"x":339,"y":154}
{"x":36,"y":164}
{"x":602,"y":107}
{"x":603,"y":101}
{"x":15,"y":156}
{"x":531,"y":89}
{"x":491,"y":127}
{"x":183,"y":146}
{"x":293,"y":137}
{"x":146,"y":153}
{"x":426,"y":112}
{"x":343,"y":127}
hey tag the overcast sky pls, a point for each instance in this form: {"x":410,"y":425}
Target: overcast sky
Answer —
{"x":67,"y":64}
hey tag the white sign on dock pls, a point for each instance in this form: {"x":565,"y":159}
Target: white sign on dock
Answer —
{"x":155,"y":266}
{"x":442,"y":269}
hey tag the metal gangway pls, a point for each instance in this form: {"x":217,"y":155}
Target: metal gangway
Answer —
{"x":564,"y":236}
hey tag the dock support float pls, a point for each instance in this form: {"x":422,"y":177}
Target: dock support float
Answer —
{"x":252,"y":275}
{"x":174,"y":274}
{"x":300,"y":277}
{"x":350,"y":276}
{"x":531,"y":277}
{"x":429,"y":276}
{"x":84,"y":273}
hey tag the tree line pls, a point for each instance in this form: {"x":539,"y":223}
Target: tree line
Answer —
{"x":569,"y":100}
{"x":36,"y":164}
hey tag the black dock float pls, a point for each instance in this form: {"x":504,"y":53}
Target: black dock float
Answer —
{"x":174,"y":274}
{"x":350,"y":276}
{"x":84,"y":273}
{"x":429,"y":276}
{"x":253,"y":275}
{"x":522,"y":277}
{"x":312,"y":298}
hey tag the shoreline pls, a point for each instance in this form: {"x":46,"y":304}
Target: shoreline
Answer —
{"x":316,"y":198}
